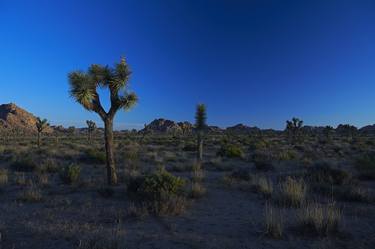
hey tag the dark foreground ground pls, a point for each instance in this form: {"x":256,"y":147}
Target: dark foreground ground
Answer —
{"x":251,"y":192}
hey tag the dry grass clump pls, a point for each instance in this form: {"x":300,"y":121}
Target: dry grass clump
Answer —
{"x":43,"y":180}
{"x":320,"y":219}
{"x":136,"y":210}
{"x":197,"y":173}
{"x":32,"y":194}
{"x":3,"y":177}
{"x":197,"y":190}
{"x":292,"y":192}
{"x":263,"y":185}
{"x":273,"y":222}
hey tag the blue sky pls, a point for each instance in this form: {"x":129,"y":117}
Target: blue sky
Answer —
{"x":257,"y":62}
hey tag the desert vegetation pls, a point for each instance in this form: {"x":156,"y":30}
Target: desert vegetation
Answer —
{"x":246,"y":188}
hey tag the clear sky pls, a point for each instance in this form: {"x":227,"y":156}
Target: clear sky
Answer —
{"x":257,"y":62}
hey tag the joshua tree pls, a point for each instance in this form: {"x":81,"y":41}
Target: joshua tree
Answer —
{"x":327,"y":131}
{"x":40,"y":126}
{"x":347,"y":130}
{"x":294,"y":129}
{"x":91,"y":127}
{"x":83,"y":87}
{"x":200,"y":126}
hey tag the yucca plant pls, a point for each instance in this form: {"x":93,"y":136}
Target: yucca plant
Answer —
{"x":83,"y":88}
{"x":41,"y":125}
{"x":91,"y":127}
{"x":200,"y":127}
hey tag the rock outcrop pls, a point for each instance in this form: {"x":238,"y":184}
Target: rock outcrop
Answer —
{"x":16,"y":119}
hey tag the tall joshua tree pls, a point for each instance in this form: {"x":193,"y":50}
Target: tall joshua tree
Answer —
{"x":83,"y":87}
{"x":40,"y":124}
{"x":200,"y":126}
{"x":294,"y":129}
{"x":91,"y":127}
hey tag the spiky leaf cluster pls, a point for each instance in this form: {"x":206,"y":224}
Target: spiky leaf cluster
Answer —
{"x":200,"y":117}
{"x":84,"y":85}
{"x":41,"y":124}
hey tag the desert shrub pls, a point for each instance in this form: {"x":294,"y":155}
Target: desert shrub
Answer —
{"x":292,"y":192}
{"x":24,"y":165}
{"x":366,"y":166}
{"x":136,"y":210}
{"x":273,"y":222}
{"x":197,"y":173}
{"x":70,"y":174}
{"x":323,"y":172}
{"x":153,"y":186}
{"x":42,"y":179}
{"x":94,"y":156}
{"x":230,"y":151}
{"x":3,"y":177}
{"x":258,"y":145}
{"x":159,"y":191}
{"x":352,"y":193}
{"x":319,"y":219}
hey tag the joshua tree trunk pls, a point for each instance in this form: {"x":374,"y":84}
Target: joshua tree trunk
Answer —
{"x":200,"y":148}
{"x":38,"y":139}
{"x":108,"y":135}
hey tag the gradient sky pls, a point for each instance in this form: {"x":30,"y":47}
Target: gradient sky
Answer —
{"x":257,"y":62}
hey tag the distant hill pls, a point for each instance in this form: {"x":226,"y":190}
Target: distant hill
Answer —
{"x":16,"y":119}
{"x":241,"y":129}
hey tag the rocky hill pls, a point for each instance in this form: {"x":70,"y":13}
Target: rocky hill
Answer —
{"x":167,"y":126}
{"x":16,"y":119}
{"x":241,"y":128}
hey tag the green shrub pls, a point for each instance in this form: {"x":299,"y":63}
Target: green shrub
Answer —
{"x":70,"y":174}
{"x":231,"y":151}
{"x":154,"y":186}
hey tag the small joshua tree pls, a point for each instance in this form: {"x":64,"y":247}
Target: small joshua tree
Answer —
{"x":91,"y":127}
{"x":200,"y":126}
{"x":83,"y":87}
{"x":294,"y":129}
{"x":40,"y":126}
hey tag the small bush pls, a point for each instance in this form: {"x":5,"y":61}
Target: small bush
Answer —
{"x":292,"y":192}
{"x":230,"y":151}
{"x":106,"y":192}
{"x":161,"y":192}
{"x":319,"y":219}
{"x":49,"y":166}
{"x":262,"y":160}
{"x":273,"y":222}
{"x":70,"y":174}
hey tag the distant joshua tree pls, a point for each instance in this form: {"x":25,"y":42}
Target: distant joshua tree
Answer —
{"x":91,"y":127}
{"x":40,"y":126}
{"x":294,"y":129}
{"x":327,"y":131}
{"x":83,"y":87}
{"x":200,"y":126}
